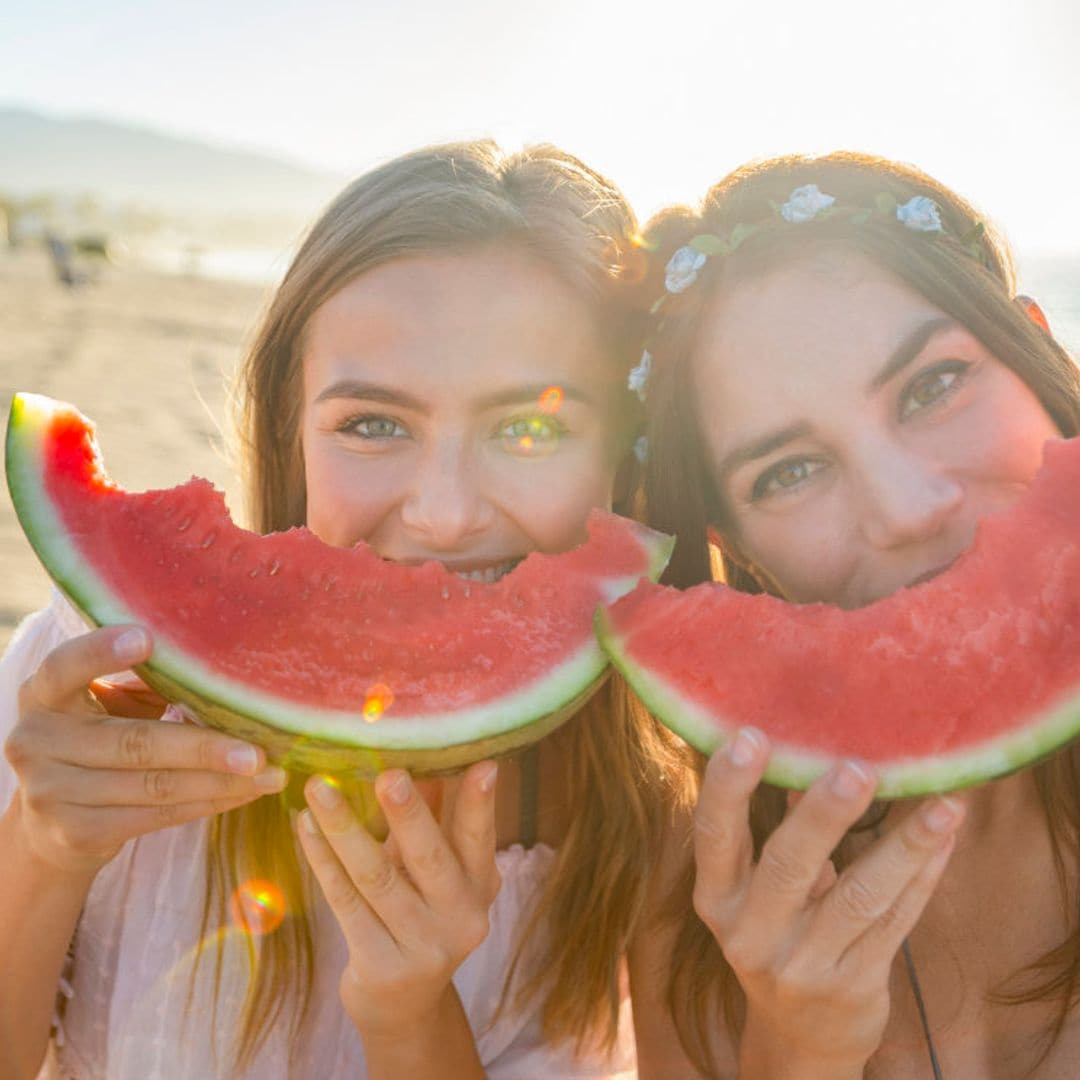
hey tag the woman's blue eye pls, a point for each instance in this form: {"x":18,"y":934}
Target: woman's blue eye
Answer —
{"x":373,"y":427}
{"x":531,"y":435}
{"x":785,"y":475}
{"x":931,"y":386}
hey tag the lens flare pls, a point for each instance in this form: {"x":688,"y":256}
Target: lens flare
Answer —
{"x":257,"y":906}
{"x":551,"y":399}
{"x":525,"y":442}
{"x":378,"y":699}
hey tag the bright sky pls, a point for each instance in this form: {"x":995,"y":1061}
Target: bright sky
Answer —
{"x":664,"y":97}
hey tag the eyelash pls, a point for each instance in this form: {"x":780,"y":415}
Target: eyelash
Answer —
{"x":351,"y":426}
{"x":959,"y":368}
{"x":762,"y":486}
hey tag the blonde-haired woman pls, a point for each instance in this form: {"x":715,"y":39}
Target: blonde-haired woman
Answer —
{"x":382,"y":400}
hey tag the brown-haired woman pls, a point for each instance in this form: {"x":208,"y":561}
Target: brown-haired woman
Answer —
{"x":843,"y":382}
{"x":392,"y":396}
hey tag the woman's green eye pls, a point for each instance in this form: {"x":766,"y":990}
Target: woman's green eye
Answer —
{"x":531,"y":435}
{"x":373,"y":427}
{"x":929,"y":387}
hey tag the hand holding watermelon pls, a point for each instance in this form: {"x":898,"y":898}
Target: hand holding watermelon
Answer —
{"x":812,"y":951}
{"x":412,"y":908}
{"x":90,"y":781}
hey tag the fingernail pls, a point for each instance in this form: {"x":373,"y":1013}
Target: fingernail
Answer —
{"x":397,"y":789}
{"x":487,"y":779}
{"x":744,"y":748}
{"x":242,"y":759}
{"x":941,"y":815}
{"x":849,"y":779}
{"x":130,"y":645}
{"x":326,"y":795}
{"x":307,"y":819}
{"x":272,"y":778}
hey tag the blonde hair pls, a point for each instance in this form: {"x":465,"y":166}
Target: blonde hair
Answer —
{"x":549,"y":205}
{"x":970,"y":279}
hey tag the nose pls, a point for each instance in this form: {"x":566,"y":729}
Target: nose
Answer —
{"x":446,"y":505}
{"x":906,"y":497}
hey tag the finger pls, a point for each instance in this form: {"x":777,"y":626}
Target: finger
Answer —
{"x":129,"y":821}
{"x":61,"y":680}
{"x":118,"y":743}
{"x":792,"y":858}
{"x":723,"y":846}
{"x":364,"y":931}
{"x":151,"y":787}
{"x":883,"y":940}
{"x":373,"y":874}
{"x":867,"y":892}
{"x":825,"y":881}
{"x":425,"y":849}
{"x":472,"y":828}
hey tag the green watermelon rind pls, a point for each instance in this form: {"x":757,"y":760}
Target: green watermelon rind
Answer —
{"x":180,"y":671}
{"x":791,"y":767}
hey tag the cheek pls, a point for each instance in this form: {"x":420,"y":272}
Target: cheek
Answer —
{"x":341,"y":507}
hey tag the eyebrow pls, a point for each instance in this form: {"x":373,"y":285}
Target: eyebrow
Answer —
{"x":389,"y":395}
{"x":904,"y":353}
{"x":909,"y":348}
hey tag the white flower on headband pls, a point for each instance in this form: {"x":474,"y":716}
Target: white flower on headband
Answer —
{"x":641,"y":449}
{"x":920,"y":213}
{"x":805,"y":204}
{"x":638,"y":379}
{"x":682,"y":269}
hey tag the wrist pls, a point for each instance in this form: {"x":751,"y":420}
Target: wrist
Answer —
{"x":438,"y":1043}
{"x":766,"y":1054}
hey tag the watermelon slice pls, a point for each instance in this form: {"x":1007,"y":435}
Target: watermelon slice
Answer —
{"x":331,"y":658}
{"x":970,"y":675}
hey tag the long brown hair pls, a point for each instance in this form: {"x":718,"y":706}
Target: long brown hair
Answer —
{"x":458,"y":197}
{"x":967,"y":272}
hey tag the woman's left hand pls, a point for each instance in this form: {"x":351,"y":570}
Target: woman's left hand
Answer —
{"x":411,"y":908}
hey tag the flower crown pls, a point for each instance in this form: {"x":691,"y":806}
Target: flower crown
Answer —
{"x":806,"y":203}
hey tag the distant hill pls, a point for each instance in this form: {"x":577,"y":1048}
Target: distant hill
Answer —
{"x":120,"y":163}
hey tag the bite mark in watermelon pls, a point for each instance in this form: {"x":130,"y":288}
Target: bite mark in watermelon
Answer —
{"x":331,"y":658}
{"x":962,"y":678}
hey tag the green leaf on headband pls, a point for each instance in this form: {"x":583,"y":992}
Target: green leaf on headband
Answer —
{"x":885,"y":202}
{"x":974,"y":234}
{"x":741,"y":232}
{"x":708,"y":244}
{"x":658,"y":305}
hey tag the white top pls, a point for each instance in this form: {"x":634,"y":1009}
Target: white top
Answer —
{"x":128,"y":975}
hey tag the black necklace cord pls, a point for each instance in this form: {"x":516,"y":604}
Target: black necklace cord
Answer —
{"x":916,"y":987}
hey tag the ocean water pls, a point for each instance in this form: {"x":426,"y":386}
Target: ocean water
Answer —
{"x":1054,"y":281}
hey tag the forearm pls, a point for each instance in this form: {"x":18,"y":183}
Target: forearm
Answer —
{"x":39,"y":907}
{"x":441,"y":1049}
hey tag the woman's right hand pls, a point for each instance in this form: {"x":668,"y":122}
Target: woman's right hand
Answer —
{"x":812,"y":951}
{"x":90,"y":781}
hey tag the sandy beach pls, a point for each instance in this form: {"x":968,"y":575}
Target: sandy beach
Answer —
{"x":147,"y":356}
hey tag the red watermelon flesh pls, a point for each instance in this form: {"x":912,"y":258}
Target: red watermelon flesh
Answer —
{"x":336,"y":648}
{"x":970,"y":675}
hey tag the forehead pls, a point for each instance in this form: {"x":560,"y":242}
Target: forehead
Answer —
{"x":803,"y":333}
{"x":433,"y":320}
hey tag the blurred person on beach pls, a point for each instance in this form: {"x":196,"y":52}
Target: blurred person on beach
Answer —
{"x":484,"y":938}
{"x":840,"y":390}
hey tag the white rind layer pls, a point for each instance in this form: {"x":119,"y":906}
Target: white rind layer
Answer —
{"x":795,"y":767}
{"x":31,"y":416}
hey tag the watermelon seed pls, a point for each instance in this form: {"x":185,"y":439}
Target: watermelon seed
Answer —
{"x":208,"y":539}
{"x":468,"y":592}
{"x":328,"y":582}
{"x":185,"y":523}
{"x":446,"y":592}
{"x":235,"y":554}
{"x":275,"y":566}
{"x":254,"y":572}
{"x":157,"y":500}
